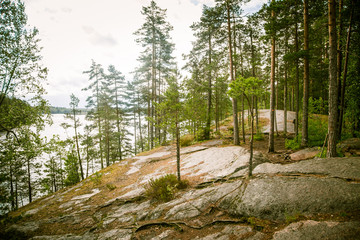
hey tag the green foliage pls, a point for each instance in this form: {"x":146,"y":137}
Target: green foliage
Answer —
{"x":186,"y":140}
{"x":259,"y":136}
{"x":71,"y":168}
{"x":318,"y":128}
{"x":249,"y":86}
{"x":323,"y":155}
{"x":318,"y":105}
{"x":164,"y":188}
{"x":294,"y":143}
{"x":317,"y":132}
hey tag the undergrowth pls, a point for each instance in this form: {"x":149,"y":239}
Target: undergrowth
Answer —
{"x":317,"y":130}
{"x":186,"y":140}
{"x":164,"y":188}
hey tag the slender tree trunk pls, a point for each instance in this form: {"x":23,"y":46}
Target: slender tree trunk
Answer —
{"x":234,"y":100}
{"x":178,"y":148}
{"x":251,"y":142}
{"x":333,"y":89}
{"x":77,"y":144}
{"x":285,"y":88}
{"x":254,"y":105}
{"x":343,"y":85}
{"x":217,"y":115}
{"x":87,"y":160}
{"x":118,"y":120}
{"x":208,"y":113}
{"x":304,"y":139}
{"x":242,"y":101}
{"x":135,"y":137}
{"x":297,"y":91}
{"x":339,"y":64}
{"x":11,"y":187}
{"x":153,"y":91}
{"x":272,"y":90}
{"x":99,"y":120}
{"x":243,"y":117}
{"x":29,"y":180}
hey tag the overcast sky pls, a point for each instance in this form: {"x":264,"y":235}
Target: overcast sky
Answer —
{"x":73,"y":32}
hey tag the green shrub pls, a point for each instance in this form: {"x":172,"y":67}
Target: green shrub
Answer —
{"x":259,"y":136}
{"x":323,"y":155}
{"x":293,"y":144}
{"x":317,"y":130}
{"x":110,"y":186}
{"x":186,"y":140}
{"x":164,"y":188}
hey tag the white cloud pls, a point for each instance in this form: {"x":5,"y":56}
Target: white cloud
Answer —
{"x":74,"y":32}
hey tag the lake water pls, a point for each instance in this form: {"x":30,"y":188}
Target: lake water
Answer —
{"x":57,"y":129}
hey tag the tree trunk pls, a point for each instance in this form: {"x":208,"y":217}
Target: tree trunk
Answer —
{"x":178,"y":148}
{"x":234,"y":100}
{"x":285,"y":89}
{"x":208,"y":113}
{"x":343,"y":85}
{"x":339,"y":64}
{"x":243,"y":117}
{"x":29,"y":180}
{"x":153,"y":91}
{"x":333,"y":89}
{"x":118,"y":121}
{"x":77,"y":145}
{"x":304,"y":139}
{"x":297,"y":91}
{"x":272,"y":90}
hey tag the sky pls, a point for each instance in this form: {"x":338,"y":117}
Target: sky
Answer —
{"x":75,"y":32}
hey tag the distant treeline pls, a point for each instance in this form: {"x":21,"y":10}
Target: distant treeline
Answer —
{"x":63,"y":110}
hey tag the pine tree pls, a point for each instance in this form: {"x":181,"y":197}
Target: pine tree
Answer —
{"x":156,"y":61}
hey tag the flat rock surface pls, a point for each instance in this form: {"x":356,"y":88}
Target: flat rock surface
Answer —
{"x":265,"y":113}
{"x":274,"y":198}
{"x":222,"y":202}
{"x":333,"y":167}
{"x":314,"y":230}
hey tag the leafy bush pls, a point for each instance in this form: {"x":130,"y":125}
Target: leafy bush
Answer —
{"x":164,"y":188}
{"x":186,"y":140}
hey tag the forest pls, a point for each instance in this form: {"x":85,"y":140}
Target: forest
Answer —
{"x":291,"y":55}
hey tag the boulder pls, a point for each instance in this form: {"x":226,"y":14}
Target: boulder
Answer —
{"x":304,"y":154}
{"x":348,"y":144}
{"x":274,"y":198}
{"x":21,"y":231}
{"x":346,"y":168}
{"x":314,"y":230}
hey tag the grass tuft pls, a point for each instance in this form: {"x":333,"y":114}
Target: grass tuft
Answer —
{"x":164,"y":188}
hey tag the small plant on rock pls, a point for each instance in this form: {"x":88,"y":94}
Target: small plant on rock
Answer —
{"x":96,"y":178}
{"x":164,"y":188}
